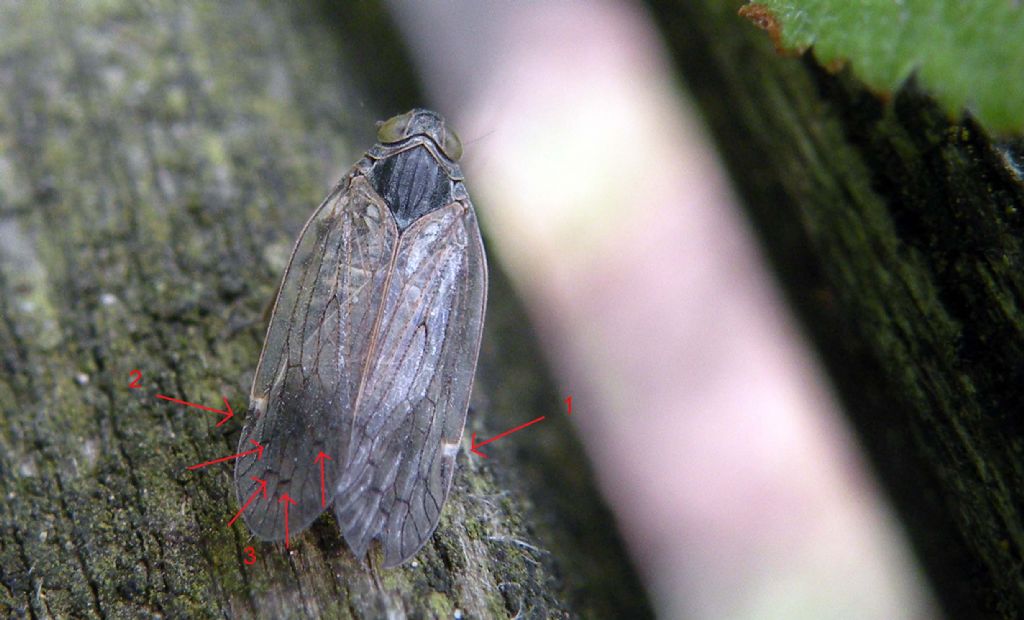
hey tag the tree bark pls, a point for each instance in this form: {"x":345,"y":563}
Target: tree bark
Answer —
{"x":898,"y":235}
{"x":158,"y":160}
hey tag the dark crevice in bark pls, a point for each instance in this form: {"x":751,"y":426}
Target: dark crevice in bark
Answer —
{"x":81,"y":548}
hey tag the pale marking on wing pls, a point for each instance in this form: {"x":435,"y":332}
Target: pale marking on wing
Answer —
{"x":259,"y":403}
{"x":282,"y":368}
{"x":449,"y":449}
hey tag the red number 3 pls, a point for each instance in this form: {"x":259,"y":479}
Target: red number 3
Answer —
{"x":251,"y":553}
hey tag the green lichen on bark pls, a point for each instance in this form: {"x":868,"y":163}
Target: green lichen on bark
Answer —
{"x":157,"y":160}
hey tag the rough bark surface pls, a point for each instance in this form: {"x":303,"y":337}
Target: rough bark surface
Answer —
{"x":898,"y":233}
{"x":156,"y":161}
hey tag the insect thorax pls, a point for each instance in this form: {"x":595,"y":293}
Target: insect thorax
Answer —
{"x":413,"y":182}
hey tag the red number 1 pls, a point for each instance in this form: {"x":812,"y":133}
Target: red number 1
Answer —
{"x":569,"y":402}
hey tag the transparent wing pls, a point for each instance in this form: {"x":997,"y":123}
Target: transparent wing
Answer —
{"x":313,"y":359}
{"x":412,"y":409}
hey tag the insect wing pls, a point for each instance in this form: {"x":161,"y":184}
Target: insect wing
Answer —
{"x":412,"y":409}
{"x":313,"y":360}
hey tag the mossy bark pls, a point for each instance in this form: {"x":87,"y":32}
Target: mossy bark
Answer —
{"x":898,"y":233}
{"x":156,"y":162}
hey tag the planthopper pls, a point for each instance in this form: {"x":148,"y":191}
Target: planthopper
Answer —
{"x":360,"y":396}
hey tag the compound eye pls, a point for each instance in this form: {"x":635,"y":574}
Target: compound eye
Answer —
{"x":452,"y":146}
{"x":393,"y":129}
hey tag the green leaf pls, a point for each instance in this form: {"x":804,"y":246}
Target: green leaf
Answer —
{"x":967,"y":53}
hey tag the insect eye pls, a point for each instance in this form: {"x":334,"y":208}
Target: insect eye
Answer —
{"x":393,"y":129}
{"x":452,"y":145}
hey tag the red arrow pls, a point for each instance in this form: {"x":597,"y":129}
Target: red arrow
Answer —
{"x":474,"y":445}
{"x":262,"y":489}
{"x":227,"y":414}
{"x":258,"y":450}
{"x":286,"y":500}
{"x":320,"y":458}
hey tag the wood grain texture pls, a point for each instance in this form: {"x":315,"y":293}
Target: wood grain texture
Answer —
{"x":157,"y":160}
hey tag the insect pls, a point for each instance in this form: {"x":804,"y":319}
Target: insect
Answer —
{"x":361,"y":391}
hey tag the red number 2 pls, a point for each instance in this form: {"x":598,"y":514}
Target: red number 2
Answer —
{"x":251,"y":553}
{"x":138,"y":377}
